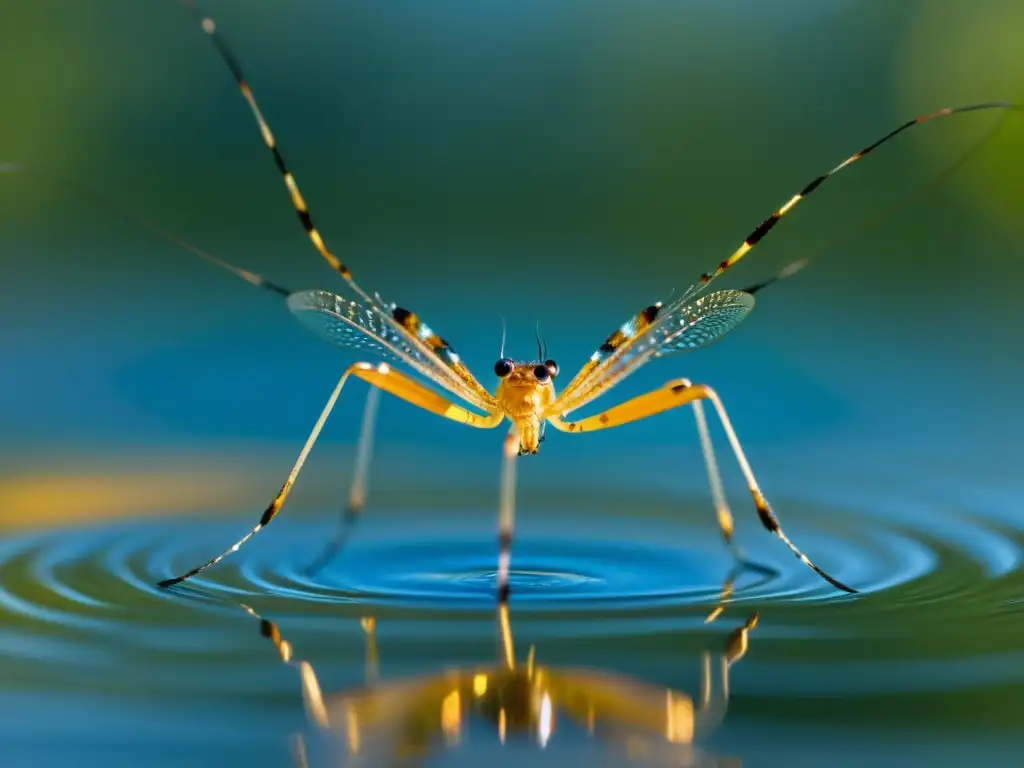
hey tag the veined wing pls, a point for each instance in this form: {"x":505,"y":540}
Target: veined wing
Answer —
{"x":722,"y":311}
{"x":620,"y":340}
{"x":654,"y":332}
{"x":434,"y":348}
{"x":355,"y":326}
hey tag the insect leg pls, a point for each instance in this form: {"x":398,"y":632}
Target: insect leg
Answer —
{"x":383,"y":377}
{"x":798,"y":264}
{"x":722,"y":511}
{"x":766,"y":226}
{"x":275,"y":506}
{"x":298,"y":202}
{"x":358,"y":490}
{"x":506,"y":510}
{"x":673,"y":395}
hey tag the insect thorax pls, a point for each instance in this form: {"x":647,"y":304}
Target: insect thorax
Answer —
{"x":523,"y":399}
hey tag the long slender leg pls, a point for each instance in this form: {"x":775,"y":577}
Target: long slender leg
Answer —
{"x":210,"y":28}
{"x":506,"y":511}
{"x":722,"y":511}
{"x":385,"y":378}
{"x":673,"y":395}
{"x":799,"y":264}
{"x":282,"y":495}
{"x":360,"y":484}
{"x":766,"y":226}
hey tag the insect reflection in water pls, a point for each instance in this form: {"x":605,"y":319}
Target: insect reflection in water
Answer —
{"x":513,"y":701}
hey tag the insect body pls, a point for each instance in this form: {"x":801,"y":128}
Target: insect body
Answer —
{"x":525,"y":392}
{"x":395,"y":338}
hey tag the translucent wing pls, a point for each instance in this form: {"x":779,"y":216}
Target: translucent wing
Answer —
{"x":704,"y":330}
{"x":654,"y":332}
{"x":347,"y":324}
{"x":353,"y":325}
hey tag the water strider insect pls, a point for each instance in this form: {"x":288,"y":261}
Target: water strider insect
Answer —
{"x":525,"y":393}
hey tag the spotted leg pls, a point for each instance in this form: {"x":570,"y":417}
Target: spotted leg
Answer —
{"x":383,"y":377}
{"x":672,"y":395}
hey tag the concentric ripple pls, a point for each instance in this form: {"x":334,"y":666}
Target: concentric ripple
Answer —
{"x":80,"y":609}
{"x":665,"y":558}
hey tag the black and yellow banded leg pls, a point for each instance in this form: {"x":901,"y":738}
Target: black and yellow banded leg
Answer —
{"x":385,"y":378}
{"x":762,"y":229}
{"x":673,"y":395}
{"x":210,"y":28}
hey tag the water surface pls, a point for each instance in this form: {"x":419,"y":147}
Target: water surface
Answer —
{"x":568,"y":163}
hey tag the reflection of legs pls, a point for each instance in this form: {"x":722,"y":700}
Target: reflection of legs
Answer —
{"x":506,"y":511}
{"x":713,"y":704}
{"x":312,"y":696}
{"x":369,"y":625}
{"x":508,"y":652}
{"x":385,"y":378}
{"x":727,"y":586}
{"x":360,"y":483}
{"x":673,"y":395}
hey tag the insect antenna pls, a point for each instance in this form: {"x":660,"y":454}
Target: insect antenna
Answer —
{"x":97,"y":199}
{"x":542,"y":346}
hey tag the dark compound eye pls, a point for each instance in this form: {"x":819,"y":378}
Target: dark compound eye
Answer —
{"x":504,"y":367}
{"x":552,"y":367}
{"x":542,"y":373}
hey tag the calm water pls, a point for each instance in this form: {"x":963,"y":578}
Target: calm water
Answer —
{"x":565,"y":162}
